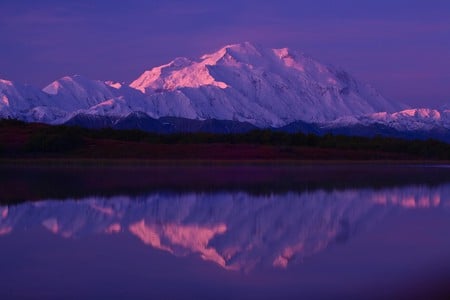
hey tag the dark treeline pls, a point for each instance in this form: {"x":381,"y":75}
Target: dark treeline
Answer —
{"x":66,"y":138}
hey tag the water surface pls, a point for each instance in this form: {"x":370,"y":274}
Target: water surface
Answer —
{"x":255,"y":232}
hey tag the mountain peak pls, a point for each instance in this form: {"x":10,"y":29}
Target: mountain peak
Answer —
{"x":78,"y":92}
{"x":65,"y":82}
{"x":420,"y":113}
{"x":185,"y":73}
{"x":149,"y":79}
{"x":179,"y":73}
{"x":245,"y":47}
{"x":265,"y":87}
{"x":242,"y":53}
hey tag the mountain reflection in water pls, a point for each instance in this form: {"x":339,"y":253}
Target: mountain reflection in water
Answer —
{"x":235,"y":230}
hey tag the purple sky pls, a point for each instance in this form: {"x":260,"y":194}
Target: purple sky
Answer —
{"x":402,"y":47}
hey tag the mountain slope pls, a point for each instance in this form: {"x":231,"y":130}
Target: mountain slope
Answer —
{"x":142,"y":121}
{"x":16,"y":99}
{"x":412,"y":119}
{"x":266,"y":87}
{"x":409,"y":119}
{"x":76,"y":92}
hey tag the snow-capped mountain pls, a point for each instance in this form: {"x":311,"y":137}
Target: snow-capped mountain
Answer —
{"x":236,"y":231}
{"x":421,"y":123}
{"x":73,"y":93}
{"x":241,"y":83}
{"x":26,"y":102}
{"x":405,"y":120}
{"x":265,"y":87}
{"x":79,"y":95}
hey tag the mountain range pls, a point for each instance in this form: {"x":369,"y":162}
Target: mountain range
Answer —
{"x":238,"y":88}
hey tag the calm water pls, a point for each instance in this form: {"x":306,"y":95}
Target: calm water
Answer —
{"x":314,"y":232}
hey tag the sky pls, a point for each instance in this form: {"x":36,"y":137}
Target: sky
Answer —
{"x":401,"y":47}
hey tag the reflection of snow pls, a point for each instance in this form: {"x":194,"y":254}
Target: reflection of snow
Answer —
{"x":113,"y":228}
{"x":51,"y":225}
{"x":4,"y":212}
{"x":5,"y":230}
{"x":419,"y":198}
{"x":236,"y":231}
{"x":148,"y":235}
{"x":106,"y":210}
{"x":282,"y":260}
{"x":192,"y":238}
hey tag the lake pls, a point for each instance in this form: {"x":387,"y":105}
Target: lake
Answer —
{"x":163,"y":231}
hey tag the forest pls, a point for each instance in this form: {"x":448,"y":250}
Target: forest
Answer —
{"x":20,"y":139}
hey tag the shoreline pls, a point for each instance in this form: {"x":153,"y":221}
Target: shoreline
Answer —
{"x":64,"y":179}
{"x":209,"y":162}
